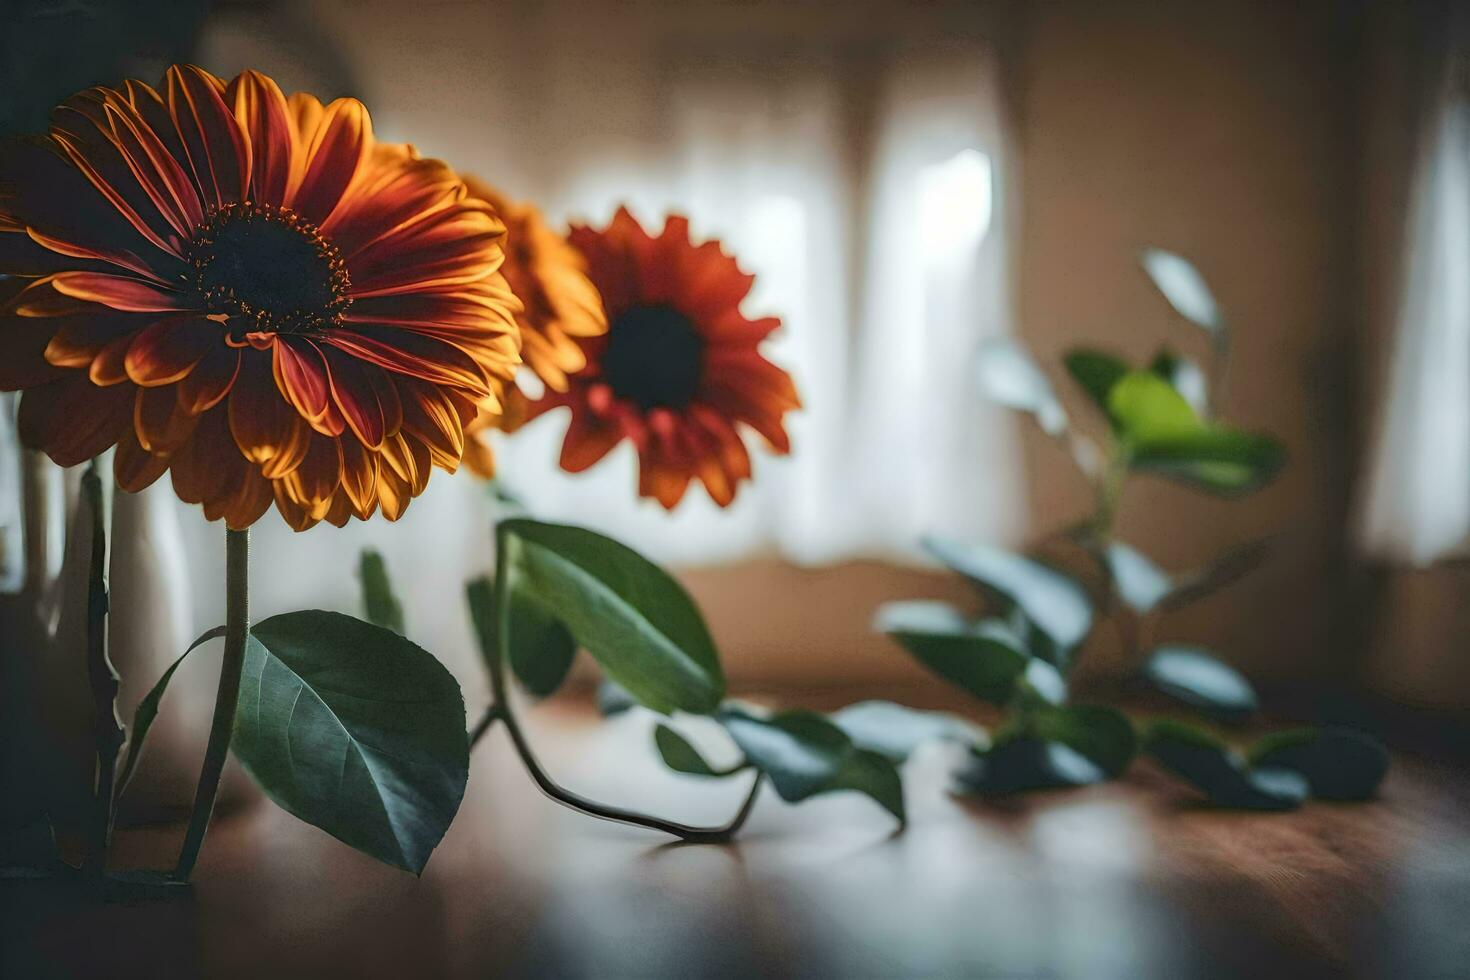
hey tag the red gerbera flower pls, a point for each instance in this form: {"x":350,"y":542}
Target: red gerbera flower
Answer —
{"x":250,"y":292}
{"x":679,"y":372}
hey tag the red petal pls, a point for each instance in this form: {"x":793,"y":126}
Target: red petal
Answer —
{"x":135,"y":467}
{"x":338,"y":147}
{"x":301,"y":376}
{"x":262,"y":111}
{"x":73,"y":420}
{"x":355,"y":385}
{"x":118,"y":292}
{"x":218,"y":151}
{"x":159,"y":425}
{"x":210,"y":380}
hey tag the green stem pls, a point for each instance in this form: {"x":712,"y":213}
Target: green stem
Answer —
{"x":500,"y":710}
{"x":237,"y":631}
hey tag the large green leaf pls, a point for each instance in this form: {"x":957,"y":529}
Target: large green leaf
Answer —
{"x":147,"y":710}
{"x":1220,"y":773}
{"x":1338,"y":763}
{"x":380,"y":606}
{"x":804,"y":755}
{"x":1185,"y":289}
{"x":1051,"y":600}
{"x":1096,"y":371}
{"x":985,"y":658}
{"x":541,"y":647}
{"x":1011,"y":378}
{"x":894,"y":731}
{"x":1162,"y":434}
{"x":355,"y":730}
{"x":629,"y":614}
{"x":1196,"y":677}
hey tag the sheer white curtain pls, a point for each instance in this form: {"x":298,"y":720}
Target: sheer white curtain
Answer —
{"x":1417,"y":502}
{"x":878,"y":243}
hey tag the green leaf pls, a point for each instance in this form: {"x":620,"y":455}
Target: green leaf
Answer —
{"x":541,"y":646}
{"x":629,"y":614}
{"x":380,"y":606}
{"x":1010,"y":377}
{"x":894,"y":731}
{"x":1338,"y":763}
{"x":1104,"y":735}
{"x":1163,"y":435}
{"x":1022,"y":763}
{"x":1051,"y":600}
{"x":1196,"y":677}
{"x":147,"y":710}
{"x":804,"y":755}
{"x":1185,"y":289}
{"x":680,"y":756}
{"x":875,"y":776}
{"x":1096,"y":372}
{"x":1139,"y":582}
{"x":1186,"y":377}
{"x":985,"y":658}
{"x":800,"y":751}
{"x":1222,"y":775}
{"x":1225,"y":570}
{"x":355,"y":730}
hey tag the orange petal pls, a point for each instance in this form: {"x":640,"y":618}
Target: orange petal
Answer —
{"x":134,"y":467}
{"x":301,"y":375}
{"x":159,"y":425}
{"x":263,"y":113}
{"x":73,"y":420}
{"x":587,"y":441}
{"x":168,"y":350}
{"x":218,"y":152}
{"x":210,"y":380}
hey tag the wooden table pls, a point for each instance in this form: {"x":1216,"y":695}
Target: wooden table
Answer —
{"x":1129,"y":880}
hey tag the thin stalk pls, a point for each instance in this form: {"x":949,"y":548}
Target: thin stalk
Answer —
{"x":237,"y":631}
{"x":500,"y":710}
{"x":107,"y":729}
{"x":483,"y":726}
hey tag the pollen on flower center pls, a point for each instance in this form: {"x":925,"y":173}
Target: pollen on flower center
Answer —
{"x":271,"y":267}
{"x":654,"y":357}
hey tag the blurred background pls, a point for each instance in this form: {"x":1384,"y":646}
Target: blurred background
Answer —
{"x":908,"y":181}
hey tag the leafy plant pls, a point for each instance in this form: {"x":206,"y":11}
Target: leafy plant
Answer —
{"x":1162,"y":420}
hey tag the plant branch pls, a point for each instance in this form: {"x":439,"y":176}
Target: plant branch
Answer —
{"x":107,"y":729}
{"x":483,"y":726}
{"x":500,"y":709}
{"x":227,"y":700}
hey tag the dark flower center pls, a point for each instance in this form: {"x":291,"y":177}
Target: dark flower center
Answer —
{"x":270,"y":267}
{"x":654,"y":357}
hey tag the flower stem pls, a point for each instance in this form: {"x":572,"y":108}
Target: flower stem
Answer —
{"x":237,"y":631}
{"x":500,"y":710}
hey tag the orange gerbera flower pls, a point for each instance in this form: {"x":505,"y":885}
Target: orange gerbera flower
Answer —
{"x":679,"y":367}
{"x":248,"y":291}
{"x":559,"y":306}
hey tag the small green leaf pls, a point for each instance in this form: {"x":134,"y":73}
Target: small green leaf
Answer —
{"x":1139,"y":582}
{"x":1043,"y":683}
{"x":800,"y":751}
{"x":629,"y":614}
{"x":380,"y":606}
{"x":1096,"y":372}
{"x":894,"y":731}
{"x":1186,"y":377}
{"x":1010,"y":377}
{"x":1051,"y":600}
{"x":984,"y":658}
{"x":1338,"y":763}
{"x":1104,"y":735}
{"x":147,"y":710}
{"x":680,"y":756}
{"x":1185,"y":289}
{"x":873,"y":775}
{"x":1022,"y":763}
{"x":1222,"y":775}
{"x":1198,"y":678}
{"x":355,"y":730}
{"x":1162,"y":434}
